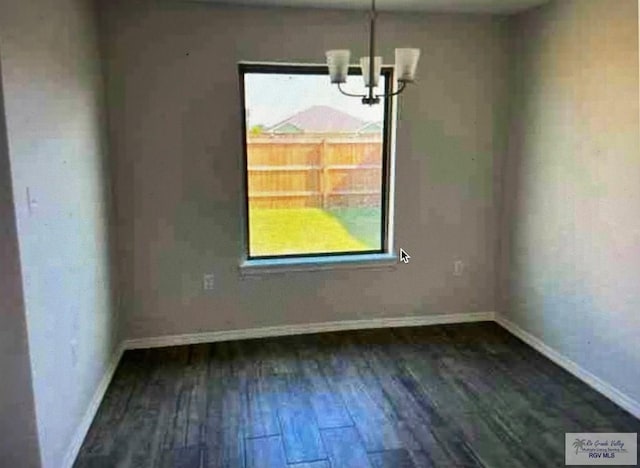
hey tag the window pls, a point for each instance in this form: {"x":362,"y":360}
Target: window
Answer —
{"x":316,"y":164}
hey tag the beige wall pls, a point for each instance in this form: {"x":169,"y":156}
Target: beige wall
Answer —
{"x":19,"y":441}
{"x":53,"y":96}
{"x":176,"y":141}
{"x":571,"y":246}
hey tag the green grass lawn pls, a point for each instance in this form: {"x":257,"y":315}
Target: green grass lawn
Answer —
{"x":276,"y":231}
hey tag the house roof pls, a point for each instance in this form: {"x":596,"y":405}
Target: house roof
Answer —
{"x":319,"y":119}
{"x":370,"y":127}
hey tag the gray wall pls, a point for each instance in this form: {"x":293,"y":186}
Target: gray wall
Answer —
{"x":53,"y":96}
{"x":19,"y":441}
{"x":176,"y":145}
{"x":571,"y":256}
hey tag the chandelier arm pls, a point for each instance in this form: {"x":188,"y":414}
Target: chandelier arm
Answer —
{"x":400,"y":89}
{"x":349,"y":94}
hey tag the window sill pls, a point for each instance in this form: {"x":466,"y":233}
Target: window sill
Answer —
{"x":386,"y":261}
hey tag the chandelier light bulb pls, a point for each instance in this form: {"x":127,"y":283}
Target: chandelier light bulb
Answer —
{"x":407,"y":64}
{"x":338,"y":62}
{"x":377,"y":68}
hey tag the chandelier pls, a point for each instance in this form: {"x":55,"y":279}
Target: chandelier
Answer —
{"x":405,"y":67}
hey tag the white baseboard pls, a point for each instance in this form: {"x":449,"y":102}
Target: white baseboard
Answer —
{"x":89,"y":415}
{"x":304,"y":329}
{"x":620,"y":398}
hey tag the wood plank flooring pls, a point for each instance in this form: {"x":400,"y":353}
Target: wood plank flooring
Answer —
{"x":468,"y":395}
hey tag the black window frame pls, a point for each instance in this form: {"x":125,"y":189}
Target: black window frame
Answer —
{"x":385,"y":201}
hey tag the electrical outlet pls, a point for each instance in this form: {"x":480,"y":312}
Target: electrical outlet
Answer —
{"x":208,"y":282}
{"x":458,"y":268}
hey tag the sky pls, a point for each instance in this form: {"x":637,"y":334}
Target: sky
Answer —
{"x":271,"y":98}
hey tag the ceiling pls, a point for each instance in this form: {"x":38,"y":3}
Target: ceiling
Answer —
{"x":468,"y":6}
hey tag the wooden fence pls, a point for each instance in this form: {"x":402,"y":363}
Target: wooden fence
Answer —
{"x":318,"y":172}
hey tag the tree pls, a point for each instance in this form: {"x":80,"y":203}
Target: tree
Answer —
{"x":256,"y":130}
{"x":579,"y":444}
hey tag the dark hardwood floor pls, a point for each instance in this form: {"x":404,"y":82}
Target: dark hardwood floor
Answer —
{"x":454,"y":395}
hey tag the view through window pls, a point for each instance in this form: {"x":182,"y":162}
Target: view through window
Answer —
{"x":315,"y":164}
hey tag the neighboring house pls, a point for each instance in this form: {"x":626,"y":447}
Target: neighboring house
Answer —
{"x":370,"y":127}
{"x":323,"y":120}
